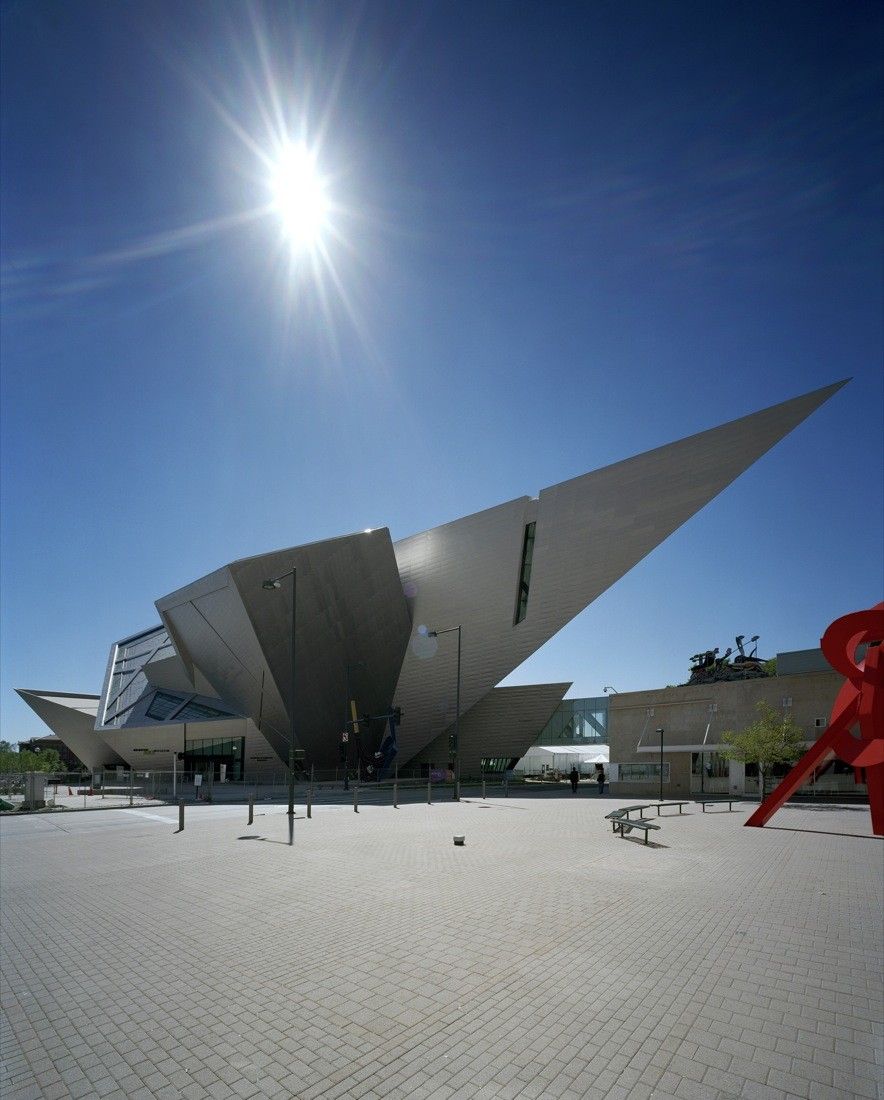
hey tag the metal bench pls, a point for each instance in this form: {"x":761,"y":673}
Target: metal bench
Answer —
{"x":621,"y":821}
{"x":704,"y":802}
{"x":625,"y":811}
{"x":658,"y":806}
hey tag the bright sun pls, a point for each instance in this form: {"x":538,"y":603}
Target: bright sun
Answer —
{"x":299,"y":196}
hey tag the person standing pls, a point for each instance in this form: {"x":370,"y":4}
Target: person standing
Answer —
{"x":600,"y":778}
{"x":575,"y":778}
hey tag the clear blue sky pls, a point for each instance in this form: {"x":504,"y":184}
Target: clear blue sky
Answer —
{"x":564,"y":234}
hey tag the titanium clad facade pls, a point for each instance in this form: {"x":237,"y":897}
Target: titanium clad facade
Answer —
{"x":509,"y":577}
{"x":72,"y":718}
{"x":461,"y":573}
{"x":350,"y":608}
{"x":499,"y":728}
{"x":588,"y":532}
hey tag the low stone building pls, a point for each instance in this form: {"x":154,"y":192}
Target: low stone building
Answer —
{"x":693,"y":718}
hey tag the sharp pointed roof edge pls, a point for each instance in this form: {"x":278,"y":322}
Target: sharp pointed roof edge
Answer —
{"x":810,"y":400}
{"x":802,"y":406}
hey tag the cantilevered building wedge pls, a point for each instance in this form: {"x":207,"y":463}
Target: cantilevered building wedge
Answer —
{"x":514,"y":575}
{"x":350,"y":610}
{"x":72,"y":719}
{"x":510,"y":576}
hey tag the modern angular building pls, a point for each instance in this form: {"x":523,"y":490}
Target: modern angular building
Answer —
{"x":229,"y":678}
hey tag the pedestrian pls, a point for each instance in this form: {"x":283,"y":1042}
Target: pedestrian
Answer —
{"x":600,"y":778}
{"x":575,"y":779}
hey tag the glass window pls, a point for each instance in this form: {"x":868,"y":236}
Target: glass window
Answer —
{"x":642,"y":773}
{"x":206,"y":755}
{"x":525,"y":572}
{"x":163,"y":705}
{"x":711,"y":764}
{"x":498,"y":763}
{"x":577,"y":721}
{"x":194,"y":711}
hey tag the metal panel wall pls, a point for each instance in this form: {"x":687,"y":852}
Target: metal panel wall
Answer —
{"x":590,"y":531}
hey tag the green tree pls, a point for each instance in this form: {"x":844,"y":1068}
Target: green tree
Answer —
{"x":9,"y":761}
{"x":772,"y":739}
{"x":12,"y":761}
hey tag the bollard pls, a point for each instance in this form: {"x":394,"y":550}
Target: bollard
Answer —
{"x":396,"y":788}
{"x":251,"y":808}
{"x":131,"y":787}
{"x":310,"y":794}
{"x":429,"y":792}
{"x":355,"y":798}
{"x":181,"y":816}
{"x":483,"y":788}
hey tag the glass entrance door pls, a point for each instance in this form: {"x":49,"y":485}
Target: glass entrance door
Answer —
{"x":710,"y":773}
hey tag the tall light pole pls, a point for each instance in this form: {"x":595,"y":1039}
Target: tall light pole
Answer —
{"x":456,"y":745}
{"x":349,"y":717}
{"x":660,"y":731}
{"x":276,"y":582}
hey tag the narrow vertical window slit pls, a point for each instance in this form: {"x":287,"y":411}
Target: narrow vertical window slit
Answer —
{"x":525,"y":572}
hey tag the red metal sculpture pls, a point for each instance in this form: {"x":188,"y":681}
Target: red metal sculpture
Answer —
{"x":860,"y":702}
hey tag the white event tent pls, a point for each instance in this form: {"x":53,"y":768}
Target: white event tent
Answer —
{"x":562,"y":758}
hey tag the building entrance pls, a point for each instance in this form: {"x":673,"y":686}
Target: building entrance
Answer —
{"x":219,"y":760}
{"x":710,"y":773}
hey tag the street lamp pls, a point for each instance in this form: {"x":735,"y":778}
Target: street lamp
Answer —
{"x":456,"y":746}
{"x":660,"y":731}
{"x":608,"y":688}
{"x":270,"y":585}
{"x":350,"y":718}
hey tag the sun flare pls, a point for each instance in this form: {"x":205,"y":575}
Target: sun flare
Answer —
{"x":299,"y":196}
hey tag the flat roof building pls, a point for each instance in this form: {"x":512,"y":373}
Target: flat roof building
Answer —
{"x":694,"y":717}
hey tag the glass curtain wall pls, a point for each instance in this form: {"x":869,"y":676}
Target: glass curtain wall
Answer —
{"x":206,"y":756}
{"x":577,"y":721}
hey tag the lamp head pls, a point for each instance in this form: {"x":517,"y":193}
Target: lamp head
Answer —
{"x":659,"y":729}
{"x":432,"y":633}
{"x":270,"y":585}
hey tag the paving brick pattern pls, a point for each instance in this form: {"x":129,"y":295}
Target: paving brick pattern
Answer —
{"x":546,"y":958}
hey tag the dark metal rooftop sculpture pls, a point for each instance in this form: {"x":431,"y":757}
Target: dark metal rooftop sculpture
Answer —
{"x":709,"y":668}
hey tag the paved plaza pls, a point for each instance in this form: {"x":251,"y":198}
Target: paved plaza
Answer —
{"x":545,"y":958}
